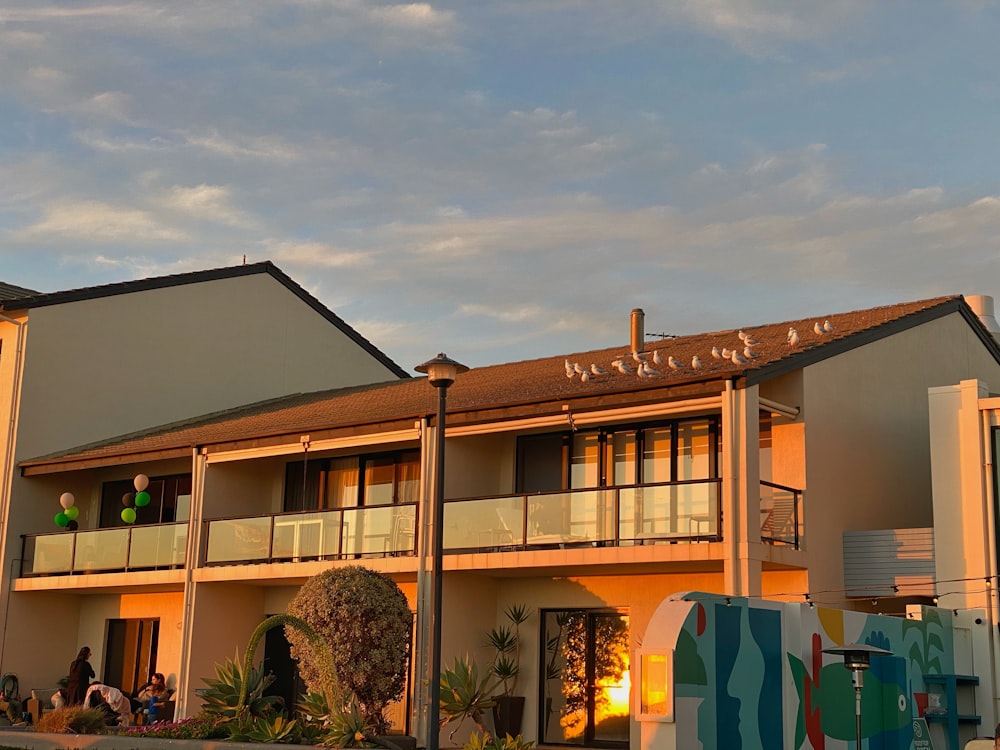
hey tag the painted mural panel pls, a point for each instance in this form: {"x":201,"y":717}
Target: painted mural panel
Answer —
{"x":753,"y":675}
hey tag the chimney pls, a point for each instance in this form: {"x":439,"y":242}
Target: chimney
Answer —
{"x":982,"y":306}
{"x":639,"y":329}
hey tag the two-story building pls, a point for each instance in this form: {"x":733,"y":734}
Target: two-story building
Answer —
{"x":588,"y":487}
{"x":79,"y":365}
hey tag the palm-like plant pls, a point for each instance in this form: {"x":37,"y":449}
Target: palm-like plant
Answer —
{"x":465,"y":695}
{"x":505,"y":640}
{"x":222,"y":696}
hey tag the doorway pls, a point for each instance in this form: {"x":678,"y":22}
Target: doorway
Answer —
{"x":130,"y":652}
{"x":585,"y":690}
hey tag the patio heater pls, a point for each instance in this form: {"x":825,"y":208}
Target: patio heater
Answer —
{"x":857,"y":658}
{"x":441,"y":373}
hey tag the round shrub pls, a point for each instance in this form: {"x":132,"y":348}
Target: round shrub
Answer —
{"x":366,"y":620}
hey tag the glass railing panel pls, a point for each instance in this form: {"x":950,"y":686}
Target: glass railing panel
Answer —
{"x":369,"y":531}
{"x":306,"y":535}
{"x":161,"y":546}
{"x":49,"y":553}
{"x":669,"y":511}
{"x":101,"y":549}
{"x":238,"y":540}
{"x":780,"y":514}
{"x":577,"y":516}
{"x":484,"y":524}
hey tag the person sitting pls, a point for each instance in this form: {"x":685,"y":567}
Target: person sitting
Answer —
{"x":115,"y":698}
{"x":96,"y":701}
{"x":60,"y":698}
{"x":153,"y":696}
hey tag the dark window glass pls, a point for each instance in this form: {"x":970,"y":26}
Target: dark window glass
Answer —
{"x":168,"y":497}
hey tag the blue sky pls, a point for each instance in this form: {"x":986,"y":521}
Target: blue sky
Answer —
{"x":505,"y":180}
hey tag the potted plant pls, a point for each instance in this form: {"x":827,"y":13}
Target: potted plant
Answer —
{"x":464,"y":695}
{"x":505,"y":640}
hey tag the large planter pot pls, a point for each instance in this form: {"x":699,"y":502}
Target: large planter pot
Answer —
{"x":508,"y":710}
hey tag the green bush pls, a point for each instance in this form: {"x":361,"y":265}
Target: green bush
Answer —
{"x":366,"y":620}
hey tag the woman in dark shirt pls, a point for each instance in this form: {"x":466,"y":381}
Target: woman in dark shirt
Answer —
{"x":80,"y":674}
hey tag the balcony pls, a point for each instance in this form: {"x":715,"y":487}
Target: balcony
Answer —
{"x":610,"y":516}
{"x":312,"y":535}
{"x":132,"y":548}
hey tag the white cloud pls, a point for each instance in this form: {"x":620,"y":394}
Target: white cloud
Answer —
{"x":95,"y":222}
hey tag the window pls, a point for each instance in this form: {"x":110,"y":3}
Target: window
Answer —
{"x":615,"y":457}
{"x":383,"y":479}
{"x":169,"y":501}
{"x":585,"y":693}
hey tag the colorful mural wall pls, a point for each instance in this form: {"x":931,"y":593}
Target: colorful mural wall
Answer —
{"x":752,"y":675}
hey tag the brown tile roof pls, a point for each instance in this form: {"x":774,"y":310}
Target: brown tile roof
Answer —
{"x":538,"y":382}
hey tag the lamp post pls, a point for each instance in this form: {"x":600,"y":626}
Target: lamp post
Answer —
{"x":441,"y":373}
{"x":857,"y":658}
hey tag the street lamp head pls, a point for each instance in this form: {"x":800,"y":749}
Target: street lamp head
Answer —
{"x":857,"y":656}
{"x":441,"y":371}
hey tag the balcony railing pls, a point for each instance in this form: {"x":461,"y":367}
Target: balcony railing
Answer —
{"x":609,"y":516}
{"x":780,"y":514}
{"x":312,"y":535}
{"x":104,"y":550}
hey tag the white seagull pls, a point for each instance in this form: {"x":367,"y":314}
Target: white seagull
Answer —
{"x":827,"y":327}
{"x":674,"y":364}
{"x":570,"y":372}
{"x":737,"y":358}
{"x":578,"y":369}
{"x":726,"y":353}
{"x":598,"y":371}
{"x":695,"y":362}
{"x":584,"y":376}
{"x":624,"y":368}
{"x":793,"y":337}
{"x":749,"y":353}
{"x":649,"y":370}
{"x":657,"y":359}
{"x":639,"y":356}
{"x":818,"y":328}
{"x":741,"y":335}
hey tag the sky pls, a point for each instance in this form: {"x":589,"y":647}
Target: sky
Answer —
{"x":507,"y":179}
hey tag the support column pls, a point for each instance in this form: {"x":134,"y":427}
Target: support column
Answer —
{"x":741,"y":490}
{"x":418,"y":686}
{"x":192,"y":559}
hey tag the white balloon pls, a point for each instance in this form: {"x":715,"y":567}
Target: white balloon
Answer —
{"x":66,"y":500}
{"x":140,"y":482}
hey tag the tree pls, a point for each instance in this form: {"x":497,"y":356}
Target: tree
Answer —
{"x":366,"y":620}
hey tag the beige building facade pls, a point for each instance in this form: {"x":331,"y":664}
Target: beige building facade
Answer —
{"x":587,"y":499}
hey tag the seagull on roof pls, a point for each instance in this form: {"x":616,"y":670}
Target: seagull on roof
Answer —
{"x":578,"y":369}
{"x":750,"y":341}
{"x":596,"y":370}
{"x":584,"y":376}
{"x":657,"y":359}
{"x":622,"y":366}
{"x":716,"y":353}
{"x":737,"y":358}
{"x":650,"y":371}
{"x":793,"y":337}
{"x":674,"y":364}
{"x":695,"y":362}
{"x":639,"y":356}
{"x":726,"y":353}
{"x":827,"y":326}
{"x":741,"y":335}
{"x":570,"y":372}
{"x":749,"y":353}
{"x":818,"y":328}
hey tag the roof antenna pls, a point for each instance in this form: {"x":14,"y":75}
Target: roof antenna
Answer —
{"x":244,"y":259}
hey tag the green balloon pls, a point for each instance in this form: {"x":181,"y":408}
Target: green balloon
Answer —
{"x":72,"y":513}
{"x":128,"y":515}
{"x":142,"y":499}
{"x":61,"y":520}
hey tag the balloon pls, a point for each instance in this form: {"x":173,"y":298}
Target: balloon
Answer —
{"x":72,"y":513}
{"x":141,"y":482}
{"x":72,"y":525}
{"x":66,"y":500}
{"x":128,"y":499}
{"x":128,"y":515}
{"x":142,"y":499}
{"x":61,"y":520}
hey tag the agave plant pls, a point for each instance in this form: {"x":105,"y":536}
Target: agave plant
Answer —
{"x":348,"y":727}
{"x":278,"y":729}
{"x":464,"y":695}
{"x":222,"y":695}
{"x":485,"y":741}
{"x":314,"y":706}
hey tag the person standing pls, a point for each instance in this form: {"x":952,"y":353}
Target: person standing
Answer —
{"x":80,"y":674}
